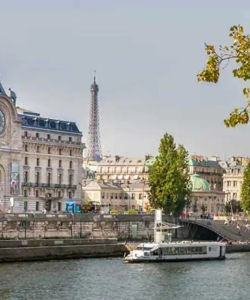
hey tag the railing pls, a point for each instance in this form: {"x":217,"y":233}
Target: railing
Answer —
{"x":62,"y":142}
{"x":47,"y":185}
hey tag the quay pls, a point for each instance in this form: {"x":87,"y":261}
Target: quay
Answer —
{"x":27,"y":237}
{"x":34,"y":250}
{"x":52,"y":249}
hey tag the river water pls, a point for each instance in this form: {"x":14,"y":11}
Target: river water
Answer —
{"x":111,"y":279}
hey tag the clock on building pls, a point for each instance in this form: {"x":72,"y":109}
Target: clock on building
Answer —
{"x":2,"y":122}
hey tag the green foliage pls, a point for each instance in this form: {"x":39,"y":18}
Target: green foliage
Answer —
{"x":239,"y":51}
{"x":114,"y":212}
{"x":132,"y":212}
{"x":245,"y":190}
{"x":168,"y":178}
{"x":203,"y":208}
{"x":233,"y":206}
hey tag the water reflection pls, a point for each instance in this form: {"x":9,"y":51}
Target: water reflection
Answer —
{"x":111,"y":279}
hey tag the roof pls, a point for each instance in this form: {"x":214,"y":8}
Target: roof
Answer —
{"x":134,"y":185}
{"x":199,"y":184}
{"x":32,"y":120}
{"x":195,"y":160}
{"x":95,"y":185}
{"x":121,"y":160}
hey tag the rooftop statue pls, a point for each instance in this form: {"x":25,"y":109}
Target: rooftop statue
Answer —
{"x":13,"y":95}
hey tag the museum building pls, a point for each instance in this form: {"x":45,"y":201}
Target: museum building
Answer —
{"x":40,"y":160}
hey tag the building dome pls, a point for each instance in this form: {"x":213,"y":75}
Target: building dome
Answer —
{"x":199,"y":184}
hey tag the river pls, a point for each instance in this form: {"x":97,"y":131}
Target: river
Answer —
{"x":111,"y":279}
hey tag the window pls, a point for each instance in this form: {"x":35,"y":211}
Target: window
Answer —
{"x":133,"y":196}
{"x":60,"y":178}
{"x":235,"y":196}
{"x":48,"y":136}
{"x":70,"y":179}
{"x":25,"y":194}
{"x":37,"y":162}
{"x":126,"y":196}
{"x":70,"y":152}
{"x":120,"y":195}
{"x":59,"y":206}
{"x":26,"y":148}
{"x":26,"y":160}
{"x":140,"y":196}
{"x":49,"y":178}
{"x":111,"y":195}
{"x":37,"y":206}
{"x":235,"y":183}
{"x":37,"y":135}
{"x":49,"y":150}
{"x":60,"y":164}
{"x":49,"y":162}
{"x":59,"y":194}
{"x":115,"y":195}
{"x":70,"y":164}
{"x":37,"y":178}
{"x":70,"y":195}
{"x":25,"y":205}
{"x":70,"y":139}
{"x":103,"y":195}
{"x":37,"y":149}
{"x":37,"y":193}
{"x":26,"y":133}
{"x":26,"y":176}
{"x":59,"y":138}
{"x":60,"y":151}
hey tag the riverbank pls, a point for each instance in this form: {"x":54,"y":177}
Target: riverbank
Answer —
{"x":33,"y":250}
{"x":50,"y":249}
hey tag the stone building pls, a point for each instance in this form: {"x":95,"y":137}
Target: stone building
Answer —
{"x":117,"y":196}
{"x":123,"y":169}
{"x":204,"y":200}
{"x":233,"y":177}
{"x":40,"y":160}
{"x":208,"y":169}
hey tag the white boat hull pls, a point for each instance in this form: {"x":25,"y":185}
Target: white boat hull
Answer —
{"x":184,"y":251}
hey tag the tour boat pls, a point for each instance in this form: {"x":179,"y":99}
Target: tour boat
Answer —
{"x":162,"y":250}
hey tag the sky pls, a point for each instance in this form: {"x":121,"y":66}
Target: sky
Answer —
{"x":146,"y":54}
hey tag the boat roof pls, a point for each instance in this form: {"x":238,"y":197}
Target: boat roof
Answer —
{"x":183,"y":243}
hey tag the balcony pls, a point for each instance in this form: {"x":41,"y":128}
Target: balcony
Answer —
{"x":46,"y":185}
{"x":52,"y":141}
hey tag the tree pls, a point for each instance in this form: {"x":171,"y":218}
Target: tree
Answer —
{"x":239,"y":52}
{"x":203,"y":208}
{"x":245,"y":190}
{"x":168,"y":178}
{"x":233,"y":206}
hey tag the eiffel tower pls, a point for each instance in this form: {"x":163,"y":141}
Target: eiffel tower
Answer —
{"x":94,"y":144}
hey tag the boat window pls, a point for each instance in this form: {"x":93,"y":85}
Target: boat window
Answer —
{"x":143,"y":248}
{"x":184,"y":250}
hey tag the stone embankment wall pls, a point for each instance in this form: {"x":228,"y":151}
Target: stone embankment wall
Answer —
{"x":28,"y":250}
{"x":90,"y":226}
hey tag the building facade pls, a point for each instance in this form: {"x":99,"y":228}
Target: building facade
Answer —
{"x":208,"y":169}
{"x":204,"y":200}
{"x":123,"y":169}
{"x":40,"y":160}
{"x":233,"y":177}
{"x":120,"y":197}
